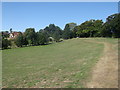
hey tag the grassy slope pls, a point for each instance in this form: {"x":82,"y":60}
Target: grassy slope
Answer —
{"x":0,"y":69}
{"x":65,"y":64}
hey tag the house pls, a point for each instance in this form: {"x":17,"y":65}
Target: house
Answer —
{"x":14,"y":35}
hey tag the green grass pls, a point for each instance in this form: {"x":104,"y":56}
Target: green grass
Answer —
{"x":65,"y":64}
{"x":0,"y":69}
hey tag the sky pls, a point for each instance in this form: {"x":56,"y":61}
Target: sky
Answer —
{"x":38,"y":15}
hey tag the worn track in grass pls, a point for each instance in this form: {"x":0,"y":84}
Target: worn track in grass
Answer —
{"x":105,"y":72}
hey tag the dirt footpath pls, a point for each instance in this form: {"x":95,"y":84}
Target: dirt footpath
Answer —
{"x":105,"y":72}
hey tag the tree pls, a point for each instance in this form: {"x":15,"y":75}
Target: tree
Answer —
{"x":5,"y":43}
{"x":30,"y":36}
{"x":51,"y":29}
{"x":105,"y":31}
{"x":42,"y":39}
{"x":75,"y":29}
{"x":91,"y":28}
{"x":19,"y":40}
{"x":98,"y":25}
{"x":25,"y":42}
{"x":5,"y":34}
{"x":72,"y":25}
{"x":56,"y":36}
{"x":84,"y":29}
{"x":67,"y":33}
{"x":78,"y":31}
{"x":0,"y":41}
{"x":111,"y":27}
{"x":10,"y":30}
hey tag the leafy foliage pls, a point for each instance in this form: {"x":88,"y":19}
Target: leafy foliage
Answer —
{"x":5,"y":43}
{"x":67,"y":33}
{"x":5,"y":34}
{"x":112,"y":26}
{"x":72,"y":25}
{"x":42,"y":39}
{"x":91,"y":28}
{"x":30,"y":35}
{"x":51,"y":29}
{"x":19,"y":40}
{"x":56,"y":36}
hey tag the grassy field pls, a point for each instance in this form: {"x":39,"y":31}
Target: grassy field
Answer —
{"x":66,"y":64}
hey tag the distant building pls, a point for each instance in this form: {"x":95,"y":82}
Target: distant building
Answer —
{"x":14,"y":34}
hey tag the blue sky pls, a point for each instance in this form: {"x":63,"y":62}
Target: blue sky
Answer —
{"x":38,"y":15}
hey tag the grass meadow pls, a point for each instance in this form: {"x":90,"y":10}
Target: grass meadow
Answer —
{"x":65,"y":64}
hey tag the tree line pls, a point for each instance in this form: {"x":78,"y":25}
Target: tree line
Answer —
{"x":90,"y":28}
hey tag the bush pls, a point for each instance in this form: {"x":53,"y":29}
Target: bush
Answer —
{"x":19,"y":40}
{"x":6,"y":43}
{"x":42,"y":39}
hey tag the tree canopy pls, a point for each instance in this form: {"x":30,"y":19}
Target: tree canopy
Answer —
{"x":111,"y":27}
{"x":90,"y":28}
